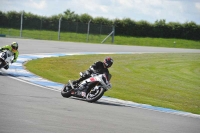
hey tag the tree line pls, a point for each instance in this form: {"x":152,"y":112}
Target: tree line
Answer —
{"x":123,"y":27}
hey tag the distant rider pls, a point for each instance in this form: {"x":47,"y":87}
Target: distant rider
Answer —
{"x":14,"y":49}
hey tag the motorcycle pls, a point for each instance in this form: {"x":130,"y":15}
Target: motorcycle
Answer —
{"x":6,"y":57}
{"x":90,"y":89}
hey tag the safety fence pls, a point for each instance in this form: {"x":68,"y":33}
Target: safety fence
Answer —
{"x":59,"y":30}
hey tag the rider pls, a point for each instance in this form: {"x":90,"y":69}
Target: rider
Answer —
{"x":14,"y":49}
{"x":98,"y":67}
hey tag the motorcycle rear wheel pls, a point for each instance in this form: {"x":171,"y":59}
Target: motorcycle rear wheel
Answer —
{"x":2,"y":64}
{"x":66,"y":91}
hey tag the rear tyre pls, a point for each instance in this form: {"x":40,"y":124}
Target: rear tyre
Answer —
{"x":66,"y":91}
{"x":2,"y":64}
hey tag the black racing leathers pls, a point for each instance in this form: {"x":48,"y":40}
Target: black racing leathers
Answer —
{"x":97,"y":67}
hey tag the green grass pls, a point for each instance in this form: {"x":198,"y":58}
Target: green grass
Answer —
{"x":158,"y":42}
{"x":121,"y":40}
{"x":164,"y":80}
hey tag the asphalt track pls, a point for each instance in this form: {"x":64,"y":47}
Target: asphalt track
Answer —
{"x":29,"y":108}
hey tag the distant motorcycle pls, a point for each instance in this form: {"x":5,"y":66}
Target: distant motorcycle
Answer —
{"x":90,"y":89}
{"x":6,"y":58}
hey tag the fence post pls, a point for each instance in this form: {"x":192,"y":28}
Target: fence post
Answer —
{"x":59,"y":28}
{"x":113,"y":35}
{"x":21,"y":24}
{"x":88,"y":30}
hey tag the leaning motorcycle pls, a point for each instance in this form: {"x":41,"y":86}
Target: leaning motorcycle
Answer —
{"x":6,"y":58}
{"x":93,"y":88}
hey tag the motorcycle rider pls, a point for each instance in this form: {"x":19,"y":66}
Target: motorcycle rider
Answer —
{"x":100,"y":67}
{"x":13,"y":47}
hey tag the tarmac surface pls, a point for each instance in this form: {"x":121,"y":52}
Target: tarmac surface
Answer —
{"x":26,"y":107}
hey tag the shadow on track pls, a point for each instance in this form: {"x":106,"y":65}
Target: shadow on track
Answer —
{"x":98,"y":102}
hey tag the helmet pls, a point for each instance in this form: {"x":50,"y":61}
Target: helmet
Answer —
{"x":14,"y":45}
{"x":108,"y":61}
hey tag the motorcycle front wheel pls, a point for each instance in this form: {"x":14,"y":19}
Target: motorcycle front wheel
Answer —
{"x":95,"y":95}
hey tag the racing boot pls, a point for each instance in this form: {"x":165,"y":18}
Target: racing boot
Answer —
{"x":76,"y":82}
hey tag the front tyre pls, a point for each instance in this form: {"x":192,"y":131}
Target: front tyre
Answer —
{"x":93,"y":96}
{"x":66,"y":91}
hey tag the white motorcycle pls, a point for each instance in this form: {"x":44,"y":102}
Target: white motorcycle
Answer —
{"x":6,"y":57}
{"x":93,"y":87}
